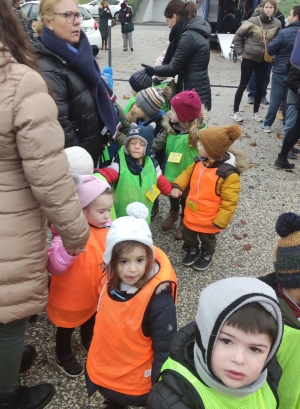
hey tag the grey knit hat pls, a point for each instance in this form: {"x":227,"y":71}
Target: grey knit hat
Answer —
{"x":140,"y":80}
{"x":217,"y":303}
{"x":150,"y":100}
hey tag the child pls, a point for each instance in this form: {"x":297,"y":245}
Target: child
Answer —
{"x":180,"y":136}
{"x":223,"y":360}
{"x":286,"y":282}
{"x":137,"y":309}
{"x":138,"y":81}
{"x":213,"y":196}
{"x":33,"y":24}
{"x":135,"y":172}
{"x":75,"y":278}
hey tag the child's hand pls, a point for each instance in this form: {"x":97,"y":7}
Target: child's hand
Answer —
{"x":76,"y":251}
{"x":176,"y":193}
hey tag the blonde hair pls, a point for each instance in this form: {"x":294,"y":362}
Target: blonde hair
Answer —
{"x":101,"y":3}
{"x":46,"y":12}
{"x":193,"y":126}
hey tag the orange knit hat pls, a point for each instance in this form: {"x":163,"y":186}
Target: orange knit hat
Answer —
{"x":217,"y":139}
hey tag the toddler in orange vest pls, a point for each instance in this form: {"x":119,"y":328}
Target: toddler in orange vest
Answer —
{"x":213,"y":197}
{"x":75,"y":277}
{"x":136,"y":316}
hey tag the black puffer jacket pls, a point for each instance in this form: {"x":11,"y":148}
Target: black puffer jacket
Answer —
{"x":77,"y":112}
{"x":190,"y":61}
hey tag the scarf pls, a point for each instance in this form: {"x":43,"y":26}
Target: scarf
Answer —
{"x":174,"y":37}
{"x":81,"y":60}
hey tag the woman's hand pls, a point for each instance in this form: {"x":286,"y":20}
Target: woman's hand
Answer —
{"x":76,"y":251}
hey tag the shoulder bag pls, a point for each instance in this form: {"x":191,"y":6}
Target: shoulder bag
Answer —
{"x":267,"y":56}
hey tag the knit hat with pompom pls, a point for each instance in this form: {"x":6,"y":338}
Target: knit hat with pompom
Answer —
{"x":217,"y":139}
{"x":287,"y":251}
{"x":151,"y":100}
{"x":132,"y":227}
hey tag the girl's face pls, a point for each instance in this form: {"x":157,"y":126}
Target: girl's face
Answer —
{"x":173,"y":116}
{"x":268,"y":9}
{"x":132,"y":265}
{"x":97,"y":213}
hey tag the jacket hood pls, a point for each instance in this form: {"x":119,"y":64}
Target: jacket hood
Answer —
{"x":200,"y":25}
{"x":242,"y":161}
{"x":175,"y":128}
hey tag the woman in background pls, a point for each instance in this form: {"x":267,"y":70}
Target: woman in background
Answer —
{"x":104,"y":16}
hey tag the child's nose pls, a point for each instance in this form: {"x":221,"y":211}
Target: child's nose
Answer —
{"x":238,"y":356}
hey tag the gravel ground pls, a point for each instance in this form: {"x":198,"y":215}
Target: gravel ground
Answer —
{"x":266,"y":193}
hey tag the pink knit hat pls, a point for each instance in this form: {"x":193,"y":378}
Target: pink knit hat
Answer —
{"x":187,"y":105}
{"x":89,"y":188}
{"x":159,"y":60}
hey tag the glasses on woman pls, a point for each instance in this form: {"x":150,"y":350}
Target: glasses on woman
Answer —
{"x":70,"y":16}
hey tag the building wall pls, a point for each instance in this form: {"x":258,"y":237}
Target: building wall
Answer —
{"x":158,"y":10}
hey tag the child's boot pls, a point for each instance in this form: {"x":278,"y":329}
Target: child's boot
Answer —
{"x":70,"y":366}
{"x":178,"y":234}
{"x":203,"y":262}
{"x":111,"y":404}
{"x":170,"y":220}
{"x":191,"y":256}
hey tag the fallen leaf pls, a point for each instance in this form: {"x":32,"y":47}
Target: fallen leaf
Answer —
{"x":279,"y":136}
{"x":237,"y":237}
{"x":251,"y":187}
{"x":273,"y":197}
{"x":237,"y":265}
{"x":289,"y":170}
{"x":246,"y":136}
{"x":243,"y":222}
{"x":217,"y":95}
{"x":242,"y":110}
{"x":247,"y":247}
{"x":255,"y":131}
{"x":253,"y":144}
{"x":245,"y":235}
{"x":126,"y":96}
{"x":283,"y":204}
{"x":263,"y":157}
{"x":262,"y":170}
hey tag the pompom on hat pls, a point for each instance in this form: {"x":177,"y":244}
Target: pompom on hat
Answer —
{"x":287,"y":251}
{"x":80,"y":161}
{"x":132,"y":227}
{"x":89,"y":188}
{"x":187,"y":105}
{"x":217,"y":139}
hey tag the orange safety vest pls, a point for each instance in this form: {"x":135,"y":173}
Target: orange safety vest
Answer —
{"x":74,"y":295}
{"x":202,"y":203}
{"x":120,"y":357}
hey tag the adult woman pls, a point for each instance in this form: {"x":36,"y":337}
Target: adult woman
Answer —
{"x":125,"y":17}
{"x":250,"y":47}
{"x":188,"y":53}
{"x":85,"y":111}
{"x":34,"y":183}
{"x":104,"y":16}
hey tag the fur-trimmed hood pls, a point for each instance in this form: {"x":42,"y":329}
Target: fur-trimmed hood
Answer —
{"x":242,"y":161}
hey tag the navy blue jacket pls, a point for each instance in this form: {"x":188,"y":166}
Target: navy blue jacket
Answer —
{"x":282,"y":47}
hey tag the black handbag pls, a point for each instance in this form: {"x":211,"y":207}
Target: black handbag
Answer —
{"x":128,"y":27}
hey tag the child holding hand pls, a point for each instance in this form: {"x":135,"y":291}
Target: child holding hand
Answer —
{"x":75,"y":278}
{"x":136,"y":316}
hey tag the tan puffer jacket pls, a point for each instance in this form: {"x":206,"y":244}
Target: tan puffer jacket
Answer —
{"x":248,"y":39}
{"x":34,"y":184}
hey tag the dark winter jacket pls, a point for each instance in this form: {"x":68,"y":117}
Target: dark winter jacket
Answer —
{"x":123,"y":19}
{"x":293,"y":82}
{"x":282,"y":47}
{"x":248,"y":39}
{"x":103,"y":21}
{"x":77,"y":111}
{"x":190,"y":61}
{"x":174,"y":391}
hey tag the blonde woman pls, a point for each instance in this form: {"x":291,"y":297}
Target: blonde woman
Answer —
{"x":85,"y":109}
{"x":104,"y":16}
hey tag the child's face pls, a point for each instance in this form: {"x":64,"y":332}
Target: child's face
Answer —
{"x":132,"y":265}
{"x":238,"y":358}
{"x":139,"y":112}
{"x":136,"y":148}
{"x":97,"y":213}
{"x":202,"y":151}
{"x":33,"y":25}
{"x":173,"y":116}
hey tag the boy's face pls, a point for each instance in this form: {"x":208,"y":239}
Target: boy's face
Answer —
{"x":136,"y":148}
{"x":139,"y":112}
{"x":202,"y":151}
{"x":238,"y":358}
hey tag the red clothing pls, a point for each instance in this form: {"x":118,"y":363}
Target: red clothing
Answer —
{"x":292,"y":306}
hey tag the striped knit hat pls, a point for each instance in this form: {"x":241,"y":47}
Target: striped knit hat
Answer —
{"x":287,"y":251}
{"x":151,"y":100}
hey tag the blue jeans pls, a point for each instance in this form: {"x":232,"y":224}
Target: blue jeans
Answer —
{"x":279,"y":91}
{"x":252,"y":83}
{"x":290,"y":119}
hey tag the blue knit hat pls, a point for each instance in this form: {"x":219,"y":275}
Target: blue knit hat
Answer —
{"x":144,"y":133}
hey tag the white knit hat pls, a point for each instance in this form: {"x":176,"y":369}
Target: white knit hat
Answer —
{"x":80,"y":161}
{"x":132,"y":227}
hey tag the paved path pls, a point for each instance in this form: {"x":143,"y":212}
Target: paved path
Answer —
{"x":266,"y":192}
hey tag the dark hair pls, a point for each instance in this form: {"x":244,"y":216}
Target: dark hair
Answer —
{"x":13,"y":39}
{"x":180,"y":8}
{"x":117,"y":253}
{"x":274,"y":4}
{"x":253,"y":318}
{"x":296,"y":11}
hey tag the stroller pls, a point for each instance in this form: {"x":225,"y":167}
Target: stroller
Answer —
{"x":232,"y":54}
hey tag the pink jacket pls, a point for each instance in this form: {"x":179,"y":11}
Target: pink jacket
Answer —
{"x":59,"y":260}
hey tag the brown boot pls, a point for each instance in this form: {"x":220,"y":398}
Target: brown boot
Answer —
{"x":178,"y":234}
{"x":170,"y":220}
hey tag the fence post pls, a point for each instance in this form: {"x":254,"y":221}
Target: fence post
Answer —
{"x":109,"y":42}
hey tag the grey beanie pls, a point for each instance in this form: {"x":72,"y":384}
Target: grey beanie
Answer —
{"x":150,"y":101}
{"x":217,"y":303}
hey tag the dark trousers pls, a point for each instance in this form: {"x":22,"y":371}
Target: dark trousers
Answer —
{"x":64,"y":337}
{"x":252,"y":82}
{"x":292,"y":137}
{"x":176,"y":202}
{"x":208,"y":240}
{"x":261,"y":70}
{"x":11,"y":350}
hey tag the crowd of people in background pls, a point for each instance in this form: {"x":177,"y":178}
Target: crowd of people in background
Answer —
{"x":97,"y":185}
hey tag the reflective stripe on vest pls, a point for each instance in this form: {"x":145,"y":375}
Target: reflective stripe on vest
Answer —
{"x":179,"y":143}
{"x":112,"y":210}
{"x":120,"y":356}
{"x":74,"y":295}
{"x":261,"y":399}
{"x":203,"y":194}
{"x":129,"y":189}
{"x":288,"y":357}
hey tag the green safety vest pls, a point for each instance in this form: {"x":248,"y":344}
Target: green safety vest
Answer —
{"x":261,"y":399}
{"x":128,"y":188}
{"x":112,"y":210}
{"x":288,"y":357}
{"x":179,"y":143}
{"x":129,"y":105}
